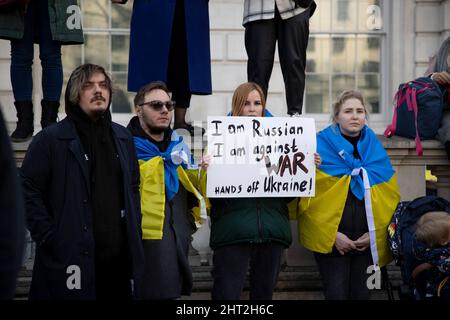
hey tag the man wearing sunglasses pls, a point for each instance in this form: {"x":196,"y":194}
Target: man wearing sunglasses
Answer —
{"x":170,"y":204}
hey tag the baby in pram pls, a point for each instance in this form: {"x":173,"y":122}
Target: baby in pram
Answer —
{"x":431,"y":246}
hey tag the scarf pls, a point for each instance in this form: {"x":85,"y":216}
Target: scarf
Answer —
{"x":370,"y":178}
{"x":176,"y":154}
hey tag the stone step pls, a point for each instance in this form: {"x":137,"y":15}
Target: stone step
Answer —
{"x":291,"y":295}
{"x":293,"y":283}
{"x":289,"y":279}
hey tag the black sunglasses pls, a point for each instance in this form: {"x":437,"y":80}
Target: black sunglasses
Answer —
{"x":157,"y":105}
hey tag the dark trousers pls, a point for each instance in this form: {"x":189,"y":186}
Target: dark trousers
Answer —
{"x":36,"y":24}
{"x":230,"y":268}
{"x":344,"y":277}
{"x":178,"y":73}
{"x":292,"y":35}
{"x":112,"y":280}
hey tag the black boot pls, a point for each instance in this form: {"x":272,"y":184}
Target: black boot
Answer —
{"x":49,"y":112}
{"x":24,"y":129}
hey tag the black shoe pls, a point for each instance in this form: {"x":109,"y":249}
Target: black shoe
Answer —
{"x":24,"y":129}
{"x":49,"y":112}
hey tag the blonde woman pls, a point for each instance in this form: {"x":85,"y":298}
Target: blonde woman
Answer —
{"x":345,"y":224}
{"x":248,"y":234}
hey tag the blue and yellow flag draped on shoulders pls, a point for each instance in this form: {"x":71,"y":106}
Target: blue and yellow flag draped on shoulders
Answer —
{"x":371,"y":178}
{"x":161,"y":173}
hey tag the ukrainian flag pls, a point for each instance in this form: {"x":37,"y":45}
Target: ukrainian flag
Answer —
{"x":371,"y":178}
{"x":160,"y":175}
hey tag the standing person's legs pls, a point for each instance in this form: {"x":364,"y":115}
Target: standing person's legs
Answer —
{"x":260,"y":40}
{"x":335,"y":273}
{"x":22,"y":59}
{"x":52,"y":72}
{"x":264,"y":269}
{"x":112,"y":280}
{"x":359,"y":276}
{"x":50,"y":55}
{"x":293,"y":37}
{"x":230,"y":264}
{"x":21,"y":77}
{"x":178,"y":72}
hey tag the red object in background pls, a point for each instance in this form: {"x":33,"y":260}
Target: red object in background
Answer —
{"x":8,"y":4}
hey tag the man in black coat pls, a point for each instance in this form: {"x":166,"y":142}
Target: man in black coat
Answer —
{"x":11,"y":217}
{"x":81,"y":185}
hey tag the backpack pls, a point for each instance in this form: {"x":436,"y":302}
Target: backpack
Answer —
{"x":418,"y":108}
{"x":405,"y":217}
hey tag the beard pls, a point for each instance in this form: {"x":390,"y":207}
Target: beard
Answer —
{"x":150,"y":126}
{"x":154,"y":130}
{"x":98,"y":113}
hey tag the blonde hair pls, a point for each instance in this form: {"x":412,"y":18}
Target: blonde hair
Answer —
{"x":344,"y":96}
{"x":240,"y":96}
{"x":433,"y":228}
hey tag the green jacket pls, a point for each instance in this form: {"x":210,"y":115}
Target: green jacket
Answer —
{"x":250,"y":220}
{"x":12,"y":23}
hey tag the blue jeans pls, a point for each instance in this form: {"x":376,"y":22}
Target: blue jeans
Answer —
{"x":37,"y":26}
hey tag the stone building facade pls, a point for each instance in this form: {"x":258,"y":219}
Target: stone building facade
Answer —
{"x":372,"y":45}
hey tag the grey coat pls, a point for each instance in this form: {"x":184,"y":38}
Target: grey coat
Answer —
{"x":167,"y":274}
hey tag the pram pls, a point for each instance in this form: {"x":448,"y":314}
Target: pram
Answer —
{"x":401,"y":234}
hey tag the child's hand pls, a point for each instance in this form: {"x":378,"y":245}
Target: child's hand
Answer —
{"x":206,"y":160}
{"x":317,"y":160}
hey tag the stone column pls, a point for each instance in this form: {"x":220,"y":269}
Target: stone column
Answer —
{"x":411,"y":180}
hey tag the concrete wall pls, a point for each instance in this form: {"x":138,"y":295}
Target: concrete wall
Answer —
{"x":432,"y":26}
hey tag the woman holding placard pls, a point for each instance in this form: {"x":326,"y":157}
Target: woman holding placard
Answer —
{"x":345,"y":224}
{"x":248,"y":232}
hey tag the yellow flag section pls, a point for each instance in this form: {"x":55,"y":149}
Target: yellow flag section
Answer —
{"x":319,"y":216}
{"x":385,"y":197}
{"x":153,"y":197}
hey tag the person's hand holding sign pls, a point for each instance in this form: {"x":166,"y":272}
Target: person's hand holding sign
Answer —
{"x":317,"y":159}
{"x":206,"y":160}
